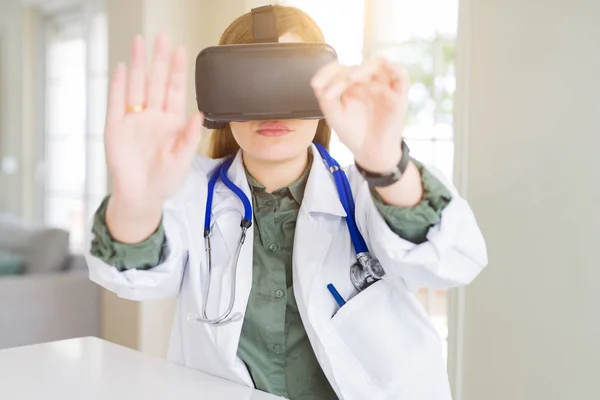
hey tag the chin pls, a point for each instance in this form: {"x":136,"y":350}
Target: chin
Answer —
{"x":278,"y":150}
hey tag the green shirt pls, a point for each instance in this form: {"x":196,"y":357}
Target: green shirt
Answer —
{"x":273,"y":342}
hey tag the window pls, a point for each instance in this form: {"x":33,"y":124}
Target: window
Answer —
{"x":420,"y":35}
{"x":75,"y":83}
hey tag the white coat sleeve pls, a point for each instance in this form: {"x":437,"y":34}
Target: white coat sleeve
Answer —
{"x":165,"y":279}
{"x":453,"y":255}
{"x":159,"y":282}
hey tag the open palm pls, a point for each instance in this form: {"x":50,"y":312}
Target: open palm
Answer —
{"x":149,"y":144}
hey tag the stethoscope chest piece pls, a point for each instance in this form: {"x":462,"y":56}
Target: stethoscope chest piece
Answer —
{"x":365,"y":271}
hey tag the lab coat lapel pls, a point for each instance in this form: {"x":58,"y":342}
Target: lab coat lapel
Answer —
{"x":321,"y":219}
{"x":318,"y":221}
{"x":231,"y":210}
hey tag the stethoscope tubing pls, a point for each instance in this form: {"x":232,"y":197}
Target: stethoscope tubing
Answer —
{"x":345,"y":194}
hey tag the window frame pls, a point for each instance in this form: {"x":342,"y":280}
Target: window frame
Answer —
{"x":83,"y":15}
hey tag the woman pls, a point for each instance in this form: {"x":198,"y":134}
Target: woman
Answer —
{"x":289,"y":335}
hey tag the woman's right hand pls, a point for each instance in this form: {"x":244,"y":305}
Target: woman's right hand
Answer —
{"x":148,"y":151}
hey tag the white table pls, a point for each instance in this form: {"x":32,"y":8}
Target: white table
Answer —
{"x":91,"y":368}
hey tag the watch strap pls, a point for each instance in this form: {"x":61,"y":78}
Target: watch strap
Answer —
{"x":387,"y":179}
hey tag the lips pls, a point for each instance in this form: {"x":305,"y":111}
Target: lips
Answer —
{"x":273,"y":128}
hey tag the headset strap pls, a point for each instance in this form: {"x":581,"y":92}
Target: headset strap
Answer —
{"x":265,"y":25}
{"x":265,"y":31}
{"x":208,"y":124}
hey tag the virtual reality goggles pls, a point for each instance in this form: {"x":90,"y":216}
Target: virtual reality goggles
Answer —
{"x":264,"y":80}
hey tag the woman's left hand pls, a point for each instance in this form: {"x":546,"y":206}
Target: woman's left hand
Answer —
{"x":366,"y":106}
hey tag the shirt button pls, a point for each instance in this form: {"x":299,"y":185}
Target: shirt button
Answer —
{"x":279,"y":293}
{"x":273,"y":247}
{"x":277,"y":348}
{"x":269,"y":203}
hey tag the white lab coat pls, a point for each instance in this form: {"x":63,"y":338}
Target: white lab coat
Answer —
{"x":380,"y":345}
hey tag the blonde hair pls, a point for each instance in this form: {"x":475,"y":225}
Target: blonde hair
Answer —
{"x":289,"y":20}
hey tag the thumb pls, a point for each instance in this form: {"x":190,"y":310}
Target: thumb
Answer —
{"x":189,"y":139}
{"x":332,"y":108}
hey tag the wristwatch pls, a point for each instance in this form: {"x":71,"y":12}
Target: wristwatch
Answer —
{"x":387,"y":179}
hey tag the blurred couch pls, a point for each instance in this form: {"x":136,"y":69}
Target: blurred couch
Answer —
{"x":50,"y":296}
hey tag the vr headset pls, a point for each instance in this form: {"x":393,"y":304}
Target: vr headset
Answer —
{"x":264,"y":80}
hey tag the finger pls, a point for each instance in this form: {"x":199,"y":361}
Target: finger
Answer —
{"x":177,"y":83}
{"x":323,"y":77}
{"x":345,"y":78}
{"x":337,"y":84}
{"x":332,"y":109}
{"x":383,"y":71}
{"x":136,"y":89}
{"x":398,"y":75}
{"x":382,"y":96}
{"x":157,"y":79}
{"x":354,"y":92}
{"x":367,"y":71}
{"x":116,"y":94}
{"x":187,"y":143}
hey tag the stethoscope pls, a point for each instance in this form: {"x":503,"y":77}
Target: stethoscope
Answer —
{"x":364,"y":272}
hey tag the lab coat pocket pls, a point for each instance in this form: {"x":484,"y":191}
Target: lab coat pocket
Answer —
{"x":388,"y":333}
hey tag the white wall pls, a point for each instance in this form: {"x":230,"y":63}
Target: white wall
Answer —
{"x":533,"y":101}
{"x":20,"y":104}
{"x":11,"y":38}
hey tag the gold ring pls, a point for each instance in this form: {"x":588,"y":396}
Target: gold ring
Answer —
{"x":135,"y":109}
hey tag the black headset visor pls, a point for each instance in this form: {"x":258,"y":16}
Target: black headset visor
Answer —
{"x":259,"y":81}
{"x":265,"y":80}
